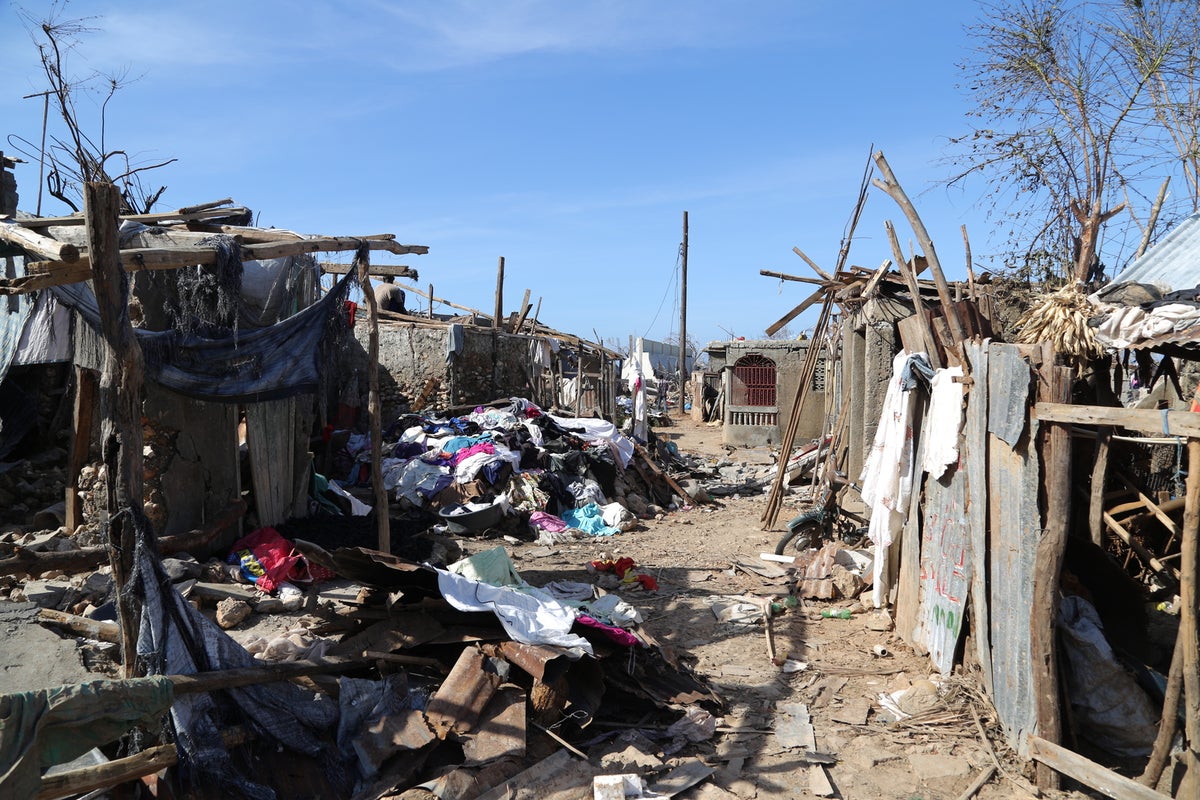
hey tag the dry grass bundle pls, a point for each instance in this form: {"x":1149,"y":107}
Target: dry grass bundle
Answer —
{"x":1061,"y":318}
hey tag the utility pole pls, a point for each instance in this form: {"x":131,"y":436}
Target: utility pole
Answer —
{"x":683,"y":376}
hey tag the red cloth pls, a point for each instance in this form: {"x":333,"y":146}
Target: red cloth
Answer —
{"x":623,"y":569}
{"x":277,"y":559}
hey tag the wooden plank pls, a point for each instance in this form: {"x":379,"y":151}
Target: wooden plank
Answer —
{"x":974,"y":458}
{"x":270,"y":433}
{"x":812,"y":264}
{"x":1088,"y":772}
{"x":869,"y":289}
{"x":778,"y":324}
{"x":384,"y":270}
{"x":1145,"y":421}
{"x":81,"y":437}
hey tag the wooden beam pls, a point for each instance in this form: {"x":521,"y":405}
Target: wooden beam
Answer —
{"x":526,"y":307}
{"x":362,"y":262}
{"x":1088,"y":772}
{"x":892,"y":187}
{"x":145,"y":219}
{"x":812,"y":264}
{"x":1145,"y":421}
{"x":1051,"y":547}
{"x":385,"y":270}
{"x":122,"y":770}
{"x":785,"y":277}
{"x":778,"y":324}
{"x":1099,"y":478}
{"x":120,"y":409}
{"x":33,"y":242}
{"x":869,"y":289}
{"x":44,"y":274}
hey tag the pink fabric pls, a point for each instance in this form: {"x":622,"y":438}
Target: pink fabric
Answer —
{"x":546,"y":522}
{"x":467,"y":452}
{"x":618,"y":635}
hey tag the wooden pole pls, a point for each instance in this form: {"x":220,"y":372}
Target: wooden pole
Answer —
{"x":970,"y":266}
{"x":81,"y":438}
{"x":499,"y":315}
{"x":683,"y":315}
{"x":1170,"y":716}
{"x":362,"y":262}
{"x":1189,"y":554}
{"x":1099,"y":478}
{"x":894,"y":190}
{"x":120,"y":407}
{"x":1047,"y":566}
{"x":431,"y":301}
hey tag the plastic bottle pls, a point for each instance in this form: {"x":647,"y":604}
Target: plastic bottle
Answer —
{"x":836,"y":613}
{"x":779,"y":606}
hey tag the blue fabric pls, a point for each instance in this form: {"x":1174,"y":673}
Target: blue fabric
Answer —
{"x":589,"y":519}
{"x":283,"y":360}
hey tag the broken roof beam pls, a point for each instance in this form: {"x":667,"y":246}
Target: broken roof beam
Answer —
{"x":247,"y":234}
{"x":43,"y":274}
{"x":795,"y":312}
{"x":812,"y":264}
{"x":183,"y":214}
{"x":394,"y":270}
{"x":33,"y":242}
{"x":783,"y":276}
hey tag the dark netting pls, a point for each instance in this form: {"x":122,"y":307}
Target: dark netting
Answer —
{"x":208,"y":300}
{"x":283,"y":360}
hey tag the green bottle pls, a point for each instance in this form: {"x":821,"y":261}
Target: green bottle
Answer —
{"x":836,"y":613}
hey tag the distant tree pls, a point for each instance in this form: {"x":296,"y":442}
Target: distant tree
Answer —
{"x":74,"y":156}
{"x":1071,"y":99}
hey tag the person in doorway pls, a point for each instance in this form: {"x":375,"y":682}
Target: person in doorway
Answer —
{"x":389,"y":296}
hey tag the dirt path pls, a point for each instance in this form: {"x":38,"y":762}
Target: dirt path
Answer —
{"x":692,"y":554}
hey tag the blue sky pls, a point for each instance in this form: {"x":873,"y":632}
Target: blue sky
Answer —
{"x":568,"y":137}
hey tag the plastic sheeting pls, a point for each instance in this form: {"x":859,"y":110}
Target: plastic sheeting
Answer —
{"x":283,"y":360}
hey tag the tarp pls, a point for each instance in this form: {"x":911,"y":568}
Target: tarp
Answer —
{"x":283,"y":360}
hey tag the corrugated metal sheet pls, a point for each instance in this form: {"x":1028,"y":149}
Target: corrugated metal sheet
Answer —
{"x":1174,"y":262}
{"x":1015,"y":527}
{"x":945,"y":566}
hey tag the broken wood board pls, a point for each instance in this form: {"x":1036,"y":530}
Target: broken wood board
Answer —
{"x":399,"y":631}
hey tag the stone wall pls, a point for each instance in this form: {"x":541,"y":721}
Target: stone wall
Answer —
{"x":414,"y":375}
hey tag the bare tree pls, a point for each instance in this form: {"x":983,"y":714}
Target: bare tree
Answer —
{"x":1061,"y":112}
{"x":1169,"y":30}
{"x":76,"y":157}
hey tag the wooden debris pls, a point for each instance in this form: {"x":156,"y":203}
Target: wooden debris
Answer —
{"x":1088,"y":772}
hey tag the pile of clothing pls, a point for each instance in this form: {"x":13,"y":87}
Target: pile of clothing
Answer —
{"x":554,"y":473}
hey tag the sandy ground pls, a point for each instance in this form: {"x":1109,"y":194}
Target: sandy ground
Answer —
{"x":849,"y":662}
{"x":692,"y":555}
